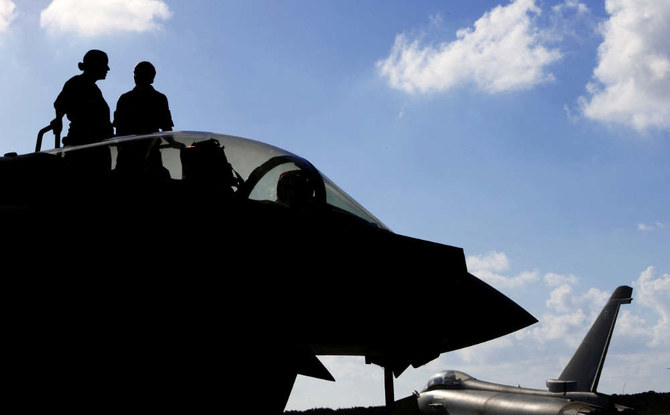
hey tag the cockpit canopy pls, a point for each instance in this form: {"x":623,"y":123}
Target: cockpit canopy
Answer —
{"x":448,"y":379}
{"x":246,"y":168}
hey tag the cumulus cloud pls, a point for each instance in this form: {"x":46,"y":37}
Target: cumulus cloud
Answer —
{"x":495,"y":261}
{"x":553,"y":279}
{"x":503,"y":51}
{"x":7,"y":14}
{"x":654,"y":292}
{"x":631,"y":83}
{"x":633,"y":325}
{"x":642,"y":333}
{"x":579,"y":7}
{"x":488,"y":267}
{"x":570,"y":309}
{"x":568,"y":313}
{"x":89,"y":18}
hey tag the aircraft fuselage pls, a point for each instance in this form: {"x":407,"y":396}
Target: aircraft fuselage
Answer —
{"x":476,"y":397}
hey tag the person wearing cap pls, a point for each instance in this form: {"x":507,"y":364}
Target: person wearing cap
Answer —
{"x":143,"y":110}
{"x":82,"y":102}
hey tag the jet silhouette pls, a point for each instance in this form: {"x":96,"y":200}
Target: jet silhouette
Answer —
{"x":208,"y":274}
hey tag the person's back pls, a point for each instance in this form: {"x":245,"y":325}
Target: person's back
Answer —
{"x":142,"y":110}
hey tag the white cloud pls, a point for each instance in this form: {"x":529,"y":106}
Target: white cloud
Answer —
{"x":644,"y":227}
{"x":641,"y":340}
{"x":579,"y":7}
{"x":631,"y":83}
{"x":630,"y":324}
{"x":558,"y":326}
{"x":488,"y":267}
{"x":568,"y":314}
{"x":472,"y":354}
{"x":502,"y":52}
{"x":552,"y":279}
{"x":93,"y":18}
{"x":495,"y":261}
{"x":650,"y":227}
{"x":654,"y":293}
{"x":559,"y":298}
{"x":7,"y":14}
{"x":569,"y":309}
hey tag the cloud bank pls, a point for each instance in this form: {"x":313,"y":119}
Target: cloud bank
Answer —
{"x":88,"y":18}
{"x":7,"y":14}
{"x":631,"y":83}
{"x":569,"y":309}
{"x":503,"y":52}
{"x":642,"y":333}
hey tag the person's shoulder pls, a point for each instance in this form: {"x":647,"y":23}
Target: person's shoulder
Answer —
{"x":127,"y":94}
{"x":160,"y":95}
{"x":156,"y":96}
{"x":74,"y":81}
{"x":151,"y":90}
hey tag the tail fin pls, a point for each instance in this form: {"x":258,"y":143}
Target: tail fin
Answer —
{"x":587,"y":362}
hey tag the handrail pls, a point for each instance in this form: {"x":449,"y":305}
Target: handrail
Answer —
{"x":38,"y":145}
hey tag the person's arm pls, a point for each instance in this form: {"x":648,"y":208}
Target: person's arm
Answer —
{"x":60,"y":107}
{"x":57,"y":123}
{"x":166,"y":122}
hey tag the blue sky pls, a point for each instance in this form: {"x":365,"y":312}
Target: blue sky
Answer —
{"x":533,"y":134}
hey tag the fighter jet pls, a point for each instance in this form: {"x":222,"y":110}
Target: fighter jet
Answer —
{"x":195,"y":270}
{"x":573,"y":393}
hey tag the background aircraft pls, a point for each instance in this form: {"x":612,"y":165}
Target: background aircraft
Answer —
{"x":196,"y":270}
{"x":574,"y":392}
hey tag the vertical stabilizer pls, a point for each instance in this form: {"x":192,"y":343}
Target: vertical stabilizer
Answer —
{"x":587,"y":362}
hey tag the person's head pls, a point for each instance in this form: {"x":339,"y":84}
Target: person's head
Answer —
{"x":95,"y":64}
{"x":144,"y":73}
{"x":296,"y":188}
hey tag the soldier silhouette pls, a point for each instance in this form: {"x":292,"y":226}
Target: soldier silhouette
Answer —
{"x":142,"y":110}
{"x":83,"y":104}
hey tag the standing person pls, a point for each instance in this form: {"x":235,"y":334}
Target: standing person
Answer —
{"x":83,"y":104}
{"x":142,"y":110}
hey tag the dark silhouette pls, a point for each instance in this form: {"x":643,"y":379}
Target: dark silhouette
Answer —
{"x":149,"y":316}
{"x":83,"y":103}
{"x":296,"y":188}
{"x":142,"y":110}
{"x":206,"y":168}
